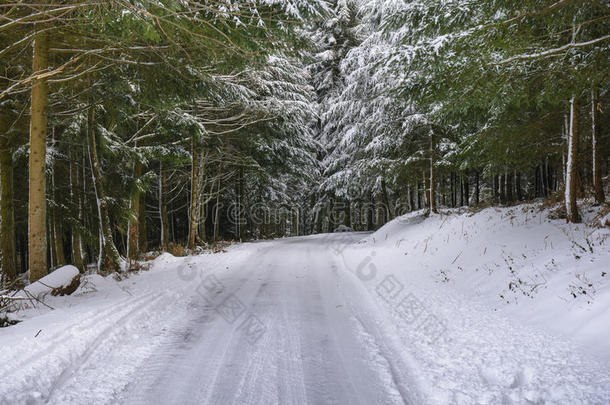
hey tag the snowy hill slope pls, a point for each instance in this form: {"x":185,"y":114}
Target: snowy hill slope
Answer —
{"x":514,"y":260}
{"x":505,"y":301}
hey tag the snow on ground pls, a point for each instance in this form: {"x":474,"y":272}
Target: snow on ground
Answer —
{"x":503,"y":306}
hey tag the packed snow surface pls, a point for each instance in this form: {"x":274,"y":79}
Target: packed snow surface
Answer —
{"x":503,"y":306}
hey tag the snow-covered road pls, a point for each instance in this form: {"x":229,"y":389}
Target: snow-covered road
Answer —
{"x":270,"y":322}
{"x":285,"y":329}
{"x":309,"y":320}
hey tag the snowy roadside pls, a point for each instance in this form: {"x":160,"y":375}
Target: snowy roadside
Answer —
{"x":504,"y":306}
{"x":121,"y":322}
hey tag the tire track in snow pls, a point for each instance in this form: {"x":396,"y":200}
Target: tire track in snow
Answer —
{"x":383,"y":347}
{"x":84,"y":321}
{"x":49,"y":360}
{"x":356,"y":347}
{"x":109,"y":333}
{"x":183,"y":372}
{"x":219,"y":391}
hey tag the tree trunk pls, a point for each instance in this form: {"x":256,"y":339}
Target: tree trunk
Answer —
{"x":57,"y":231}
{"x":598,"y":187}
{"x":163,"y":207}
{"x":319,"y":217}
{"x":217,"y":213}
{"x":518,"y":186}
{"x":240,"y":217}
{"x":75,"y":194}
{"x":369,"y":213}
{"x":348,"y":214}
{"x":203,"y":218}
{"x":193,"y":219}
{"x":477,"y":190}
{"x":571,"y":190}
{"x":58,"y":241}
{"x":133,"y":227}
{"x":453,"y":190}
{"x":37,"y":208}
{"x":142,"y":229}
{"x":566,"y":132}
{"x":543,"y":179}
{"x":461,"y":190}
{"x":509,"y":187}
{"x":411,"y":201}
{"x":467,"y":189}
{"x":432,"y":192}
{"x":7,"y":208}
{"x":111,"y":261}
{"x":387,"y":209}
{"x":501,"y":180}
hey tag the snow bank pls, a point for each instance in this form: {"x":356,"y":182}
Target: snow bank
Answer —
{"x":60,"y":279}
{"x":163,"y":260}
{"x":515,"y":261}
{"x":94,"y":283}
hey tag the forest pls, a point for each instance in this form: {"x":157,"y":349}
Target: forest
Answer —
{"x":130,"y":126}
{"x":293,"y":202}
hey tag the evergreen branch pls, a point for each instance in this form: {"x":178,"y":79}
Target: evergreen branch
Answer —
{"x":553,"y":51}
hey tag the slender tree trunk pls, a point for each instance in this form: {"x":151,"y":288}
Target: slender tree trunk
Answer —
{"x":51,"y":251}
{"x":388,"y":211}
{"x":461,"y":190}
{"x":452,"y":189}
{"x":566,"y":135}
{"x":163,"y":206}
{"x":297,"y":221}
{"x":432,"y":193}
{"x":142,"y":228}
{"x":240,"y":205}
{"x":509,"y":187}
{"x":543,"y":180}
{"x":518,"y":186}
{"x":193,"y":217}
{"x":425,"y":189}
{"x":7,"y":208}
{"x":111,"y":259}
{"x":348,"y":214}
{"x":134,"y":222}
{"x":332,"y":216}
{"x":548,"y":176}
{"x":598,"y":187}
{"x":467,"y":189}
{"x":411,"y":201}
{"x":217,"y":213}
{"x":369,"y":213}
{"x":203,"y":217}
{"x":571,"y":190}
{"x":320,"y":218}
{"x":502,"y":181}
{"x":477,"y":190}
{"x":75,"y":194}
{"x":37,"y":208}
{"x":88,"y":253}
{"x":57,"y":231}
